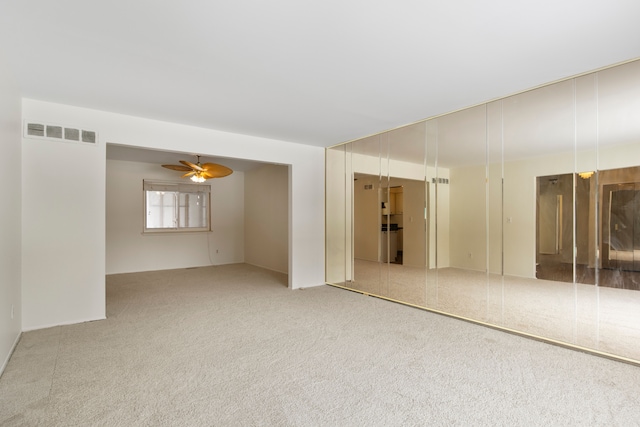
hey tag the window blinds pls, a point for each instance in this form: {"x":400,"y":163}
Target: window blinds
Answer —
{"x":175,"y":187}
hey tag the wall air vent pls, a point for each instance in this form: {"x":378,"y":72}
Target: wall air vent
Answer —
{"x":35,"y":129}
{"x":71,"y":134}
{"x":54,"y":132}
{"x":439,"y":180}
{"x":88,"y":136}
{"x":39,"y":130}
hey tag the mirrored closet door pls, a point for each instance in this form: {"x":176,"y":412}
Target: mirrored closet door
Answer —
{"x":522,"y":213}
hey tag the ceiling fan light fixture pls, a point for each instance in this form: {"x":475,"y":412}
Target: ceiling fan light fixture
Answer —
{"x":197,"y":178}
{"x":586,"y":175}
{"x":198,"y":172}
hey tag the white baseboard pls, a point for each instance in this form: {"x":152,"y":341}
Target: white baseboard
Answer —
{"x":71,"y":322}
{"x":266,"y":268}
{"x":13,"y":347}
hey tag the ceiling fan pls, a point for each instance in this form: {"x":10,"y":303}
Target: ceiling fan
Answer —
{"x":200,"y":172}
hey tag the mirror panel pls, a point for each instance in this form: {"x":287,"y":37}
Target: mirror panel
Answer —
{"x":386,"y":244}
{"x":538,"y":131}
{"x":586,"y":189}
{"x":367,"y":158}
{"x":405,"y":229}
{"x":585,"y":211}
{"x":523,"y":213}
{"x":494,"y":209}
{"x":431,"y":159}
{"x":617,"y":325}
{"x":461,"y":184}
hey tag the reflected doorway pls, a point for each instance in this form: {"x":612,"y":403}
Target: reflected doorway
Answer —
{"x":554,"y":228}
{"x":390,"y":223}
{"x":613,"y":222}
{"x":621,"y":227}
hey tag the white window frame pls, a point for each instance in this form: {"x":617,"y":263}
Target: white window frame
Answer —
{"x":176,"y":189}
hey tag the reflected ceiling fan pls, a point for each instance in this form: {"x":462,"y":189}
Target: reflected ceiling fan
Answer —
{"x":200,"y":172}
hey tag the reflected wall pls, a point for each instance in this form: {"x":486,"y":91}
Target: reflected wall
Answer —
{"x":522,"y":213}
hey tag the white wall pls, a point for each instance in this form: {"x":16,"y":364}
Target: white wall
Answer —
{"x":64,"y":205}
{"x":10,"y":212}
{"x":63,"y":222}
{"x":129,"y":250}
{"x":266,"y":233}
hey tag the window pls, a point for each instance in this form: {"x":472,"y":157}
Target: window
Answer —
{"x":176,"y":207}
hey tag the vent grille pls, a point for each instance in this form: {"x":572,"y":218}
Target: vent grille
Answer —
{"x":88,"y":136}
{"x":35,"y":129}
{"x":59,"y":133}
{"x":72,"y":134}
{"x":440,"y":180}
{"x":54,"y":132}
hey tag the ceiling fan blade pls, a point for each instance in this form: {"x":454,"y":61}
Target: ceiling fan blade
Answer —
{"x":189,"y":174}
{"x":216,"y":171}
{"x":177,"y":168}
{"x":191,"y":165}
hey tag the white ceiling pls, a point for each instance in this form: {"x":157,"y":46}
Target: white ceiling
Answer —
{"x":159,"y":157}
{"x":316,"y":73}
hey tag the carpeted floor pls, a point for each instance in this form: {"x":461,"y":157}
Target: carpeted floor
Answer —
{"x":603,"y":319}
{"x":232,"y":346}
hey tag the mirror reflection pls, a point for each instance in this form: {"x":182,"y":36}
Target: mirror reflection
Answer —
{"x":523,"y":213}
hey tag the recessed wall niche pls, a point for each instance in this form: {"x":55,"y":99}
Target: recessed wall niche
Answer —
{"x":522,"y":213}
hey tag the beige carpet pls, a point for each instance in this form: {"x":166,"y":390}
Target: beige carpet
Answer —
{"x":232,"y":346}
{"x":602,"y":319}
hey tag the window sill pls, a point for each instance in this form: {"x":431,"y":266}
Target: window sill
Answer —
{"x":168,"y":232}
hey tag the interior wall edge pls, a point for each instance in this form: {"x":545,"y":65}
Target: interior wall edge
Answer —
{"x":267,"y":268}
{"x":11,"y":223}
{"x":65,"y":323}
{"x":11,"y":350}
